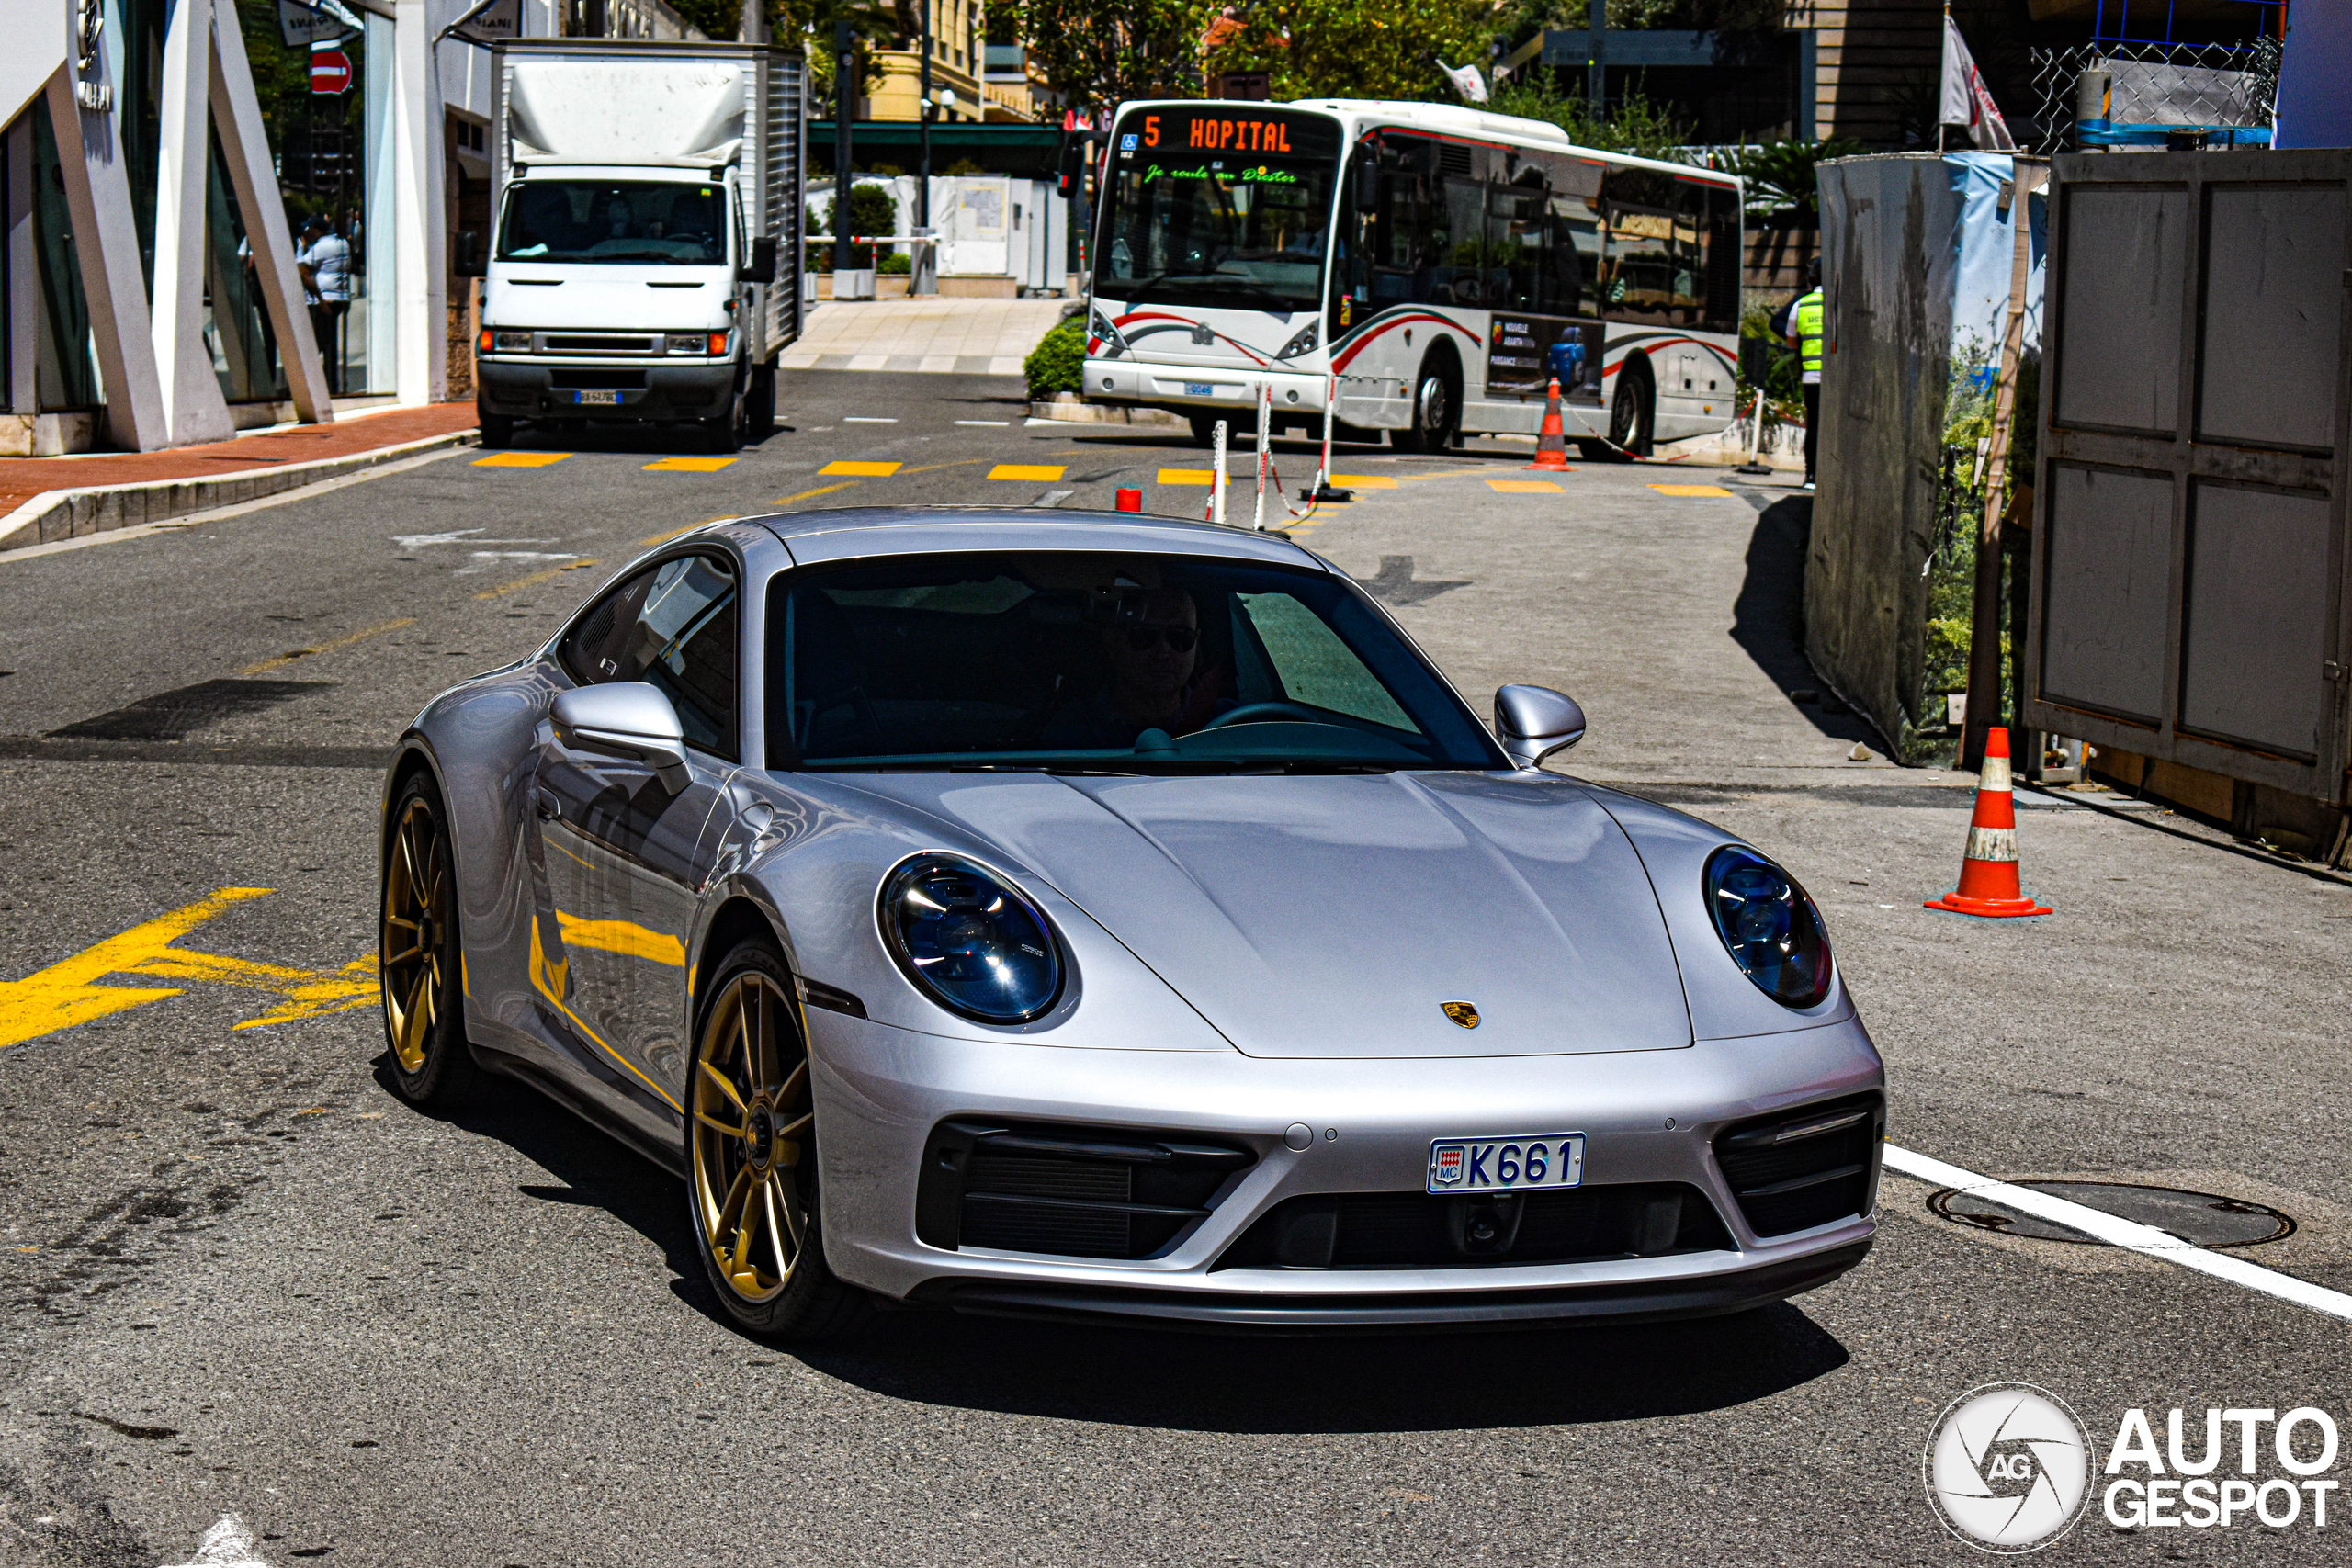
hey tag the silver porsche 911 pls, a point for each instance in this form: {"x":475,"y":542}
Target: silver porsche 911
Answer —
{"x":1051,"y":913}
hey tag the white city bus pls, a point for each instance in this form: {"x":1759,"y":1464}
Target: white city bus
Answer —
{"x":1441,"y":262}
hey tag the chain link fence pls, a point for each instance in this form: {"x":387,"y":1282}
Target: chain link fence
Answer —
{"x":2231,"y":89}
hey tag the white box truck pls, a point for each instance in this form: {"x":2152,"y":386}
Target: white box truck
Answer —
{"x":645,"y":255}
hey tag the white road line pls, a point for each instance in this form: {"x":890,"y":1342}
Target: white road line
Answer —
{"x":1053,"y":498}
{"x":2127,"y":1234}
{"x":865,"y":419}
{"x":992,"y":422}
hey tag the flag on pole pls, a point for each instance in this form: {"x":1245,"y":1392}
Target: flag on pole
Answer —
{"x":1467,"y":81}
{"x":1967,"y":100}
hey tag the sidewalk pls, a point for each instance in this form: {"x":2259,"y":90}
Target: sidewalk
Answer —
{"x":970,"y":337}
{"x":45,"y":499}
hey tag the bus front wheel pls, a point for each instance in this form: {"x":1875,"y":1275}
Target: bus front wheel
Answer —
{"x":1437,"y":409}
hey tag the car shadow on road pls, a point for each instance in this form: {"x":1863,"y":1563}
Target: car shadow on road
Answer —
{"x":1768,"y":617}
{"x":1240,"y":1382}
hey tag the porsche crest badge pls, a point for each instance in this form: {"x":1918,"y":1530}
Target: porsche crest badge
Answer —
{"x":1464,"y":1013}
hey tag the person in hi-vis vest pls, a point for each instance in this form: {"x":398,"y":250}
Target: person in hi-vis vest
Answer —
{"x":1804,"y":336}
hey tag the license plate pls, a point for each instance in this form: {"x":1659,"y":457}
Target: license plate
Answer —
{"x":1509,"y":1164}
{"x":1199,"y":389}
{"x":595,"y":396}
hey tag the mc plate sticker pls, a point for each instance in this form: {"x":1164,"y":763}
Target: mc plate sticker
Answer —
{"x":1512,"y":1163}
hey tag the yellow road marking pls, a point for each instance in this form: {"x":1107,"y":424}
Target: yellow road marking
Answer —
{"x":688,"y":465}
{"x":1188,"y":477}
{"x":1443,"y":474}
{"x":1035,"y":473}
{"x":675,"y":533}
{"x":1363,"y":481}
{"x":807,"y":494}
{"x":1690,"y":490}
{"x":624,"y":937}
{"x":67,"y":993}
{"x":847,"y":468}
{"x":1524,"y":487}
{"x":283,"y":660}
{"x":535,"y":579}
{"x":520,"y":459}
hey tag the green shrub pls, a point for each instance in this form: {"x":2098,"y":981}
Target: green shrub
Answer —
{"x":895,"y":265}
{"x":1058,"y":362}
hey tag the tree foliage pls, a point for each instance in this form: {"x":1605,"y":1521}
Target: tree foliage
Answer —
{"x":1636,"y":124}
{"x":1098,"y":53}
{"x":1354,"y":49}
{"x":1781,"y":174}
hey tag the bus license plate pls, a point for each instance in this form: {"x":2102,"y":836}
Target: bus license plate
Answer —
{"x":1506,"y":1164}
{"x":595,"y":396}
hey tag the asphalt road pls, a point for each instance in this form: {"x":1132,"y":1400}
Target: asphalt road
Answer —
{"x":240,"y":1277}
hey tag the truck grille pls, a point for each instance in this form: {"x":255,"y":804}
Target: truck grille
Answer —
{"x":583,"y":379}
{"x":597,"y":343}
{"x":1801,"y":1169}
{"x":1070,"y":1191}
{"x":1416,"y":1230}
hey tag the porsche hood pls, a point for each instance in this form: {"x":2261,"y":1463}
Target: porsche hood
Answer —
{"x":1356,"y":915}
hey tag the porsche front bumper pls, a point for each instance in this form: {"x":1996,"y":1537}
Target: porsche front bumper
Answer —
{"x":1651,"y":1119}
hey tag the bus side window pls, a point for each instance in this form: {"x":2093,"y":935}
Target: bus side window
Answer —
{"x":1519,"y":229}
{"x":1404,"y":243}
{"x":1722,"y":261}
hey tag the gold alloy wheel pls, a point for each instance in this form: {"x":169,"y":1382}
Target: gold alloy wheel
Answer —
{"x":752,"y":1115}
{"x":416,"y":919}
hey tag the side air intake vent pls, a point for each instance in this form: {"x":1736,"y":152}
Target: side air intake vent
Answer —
{"x":1070,"y":1191}
{"x":1802,"y":1169}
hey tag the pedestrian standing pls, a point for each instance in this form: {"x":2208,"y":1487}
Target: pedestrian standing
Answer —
{"x":1804,"y":336}
{"x":324,"y":262}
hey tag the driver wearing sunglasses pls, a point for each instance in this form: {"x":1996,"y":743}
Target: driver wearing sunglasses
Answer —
{"x":1152,"y":661}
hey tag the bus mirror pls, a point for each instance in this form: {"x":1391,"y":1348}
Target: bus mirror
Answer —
{"x":1367,"y":178}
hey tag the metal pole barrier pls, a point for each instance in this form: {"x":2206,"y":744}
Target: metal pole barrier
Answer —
{"x":1216,"y":483}
{"x":1755,"y":438}
{"x":1265,"y":414}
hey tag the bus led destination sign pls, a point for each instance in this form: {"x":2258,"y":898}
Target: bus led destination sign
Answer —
{"x":1188,"y":131}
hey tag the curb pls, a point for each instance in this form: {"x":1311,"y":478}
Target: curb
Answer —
{"x":96,"y":509}
{"x":1068,"y":410}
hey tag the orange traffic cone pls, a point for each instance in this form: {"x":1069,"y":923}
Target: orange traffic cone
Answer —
{"x":1552,"y":447}
{"x":1988,"y":867}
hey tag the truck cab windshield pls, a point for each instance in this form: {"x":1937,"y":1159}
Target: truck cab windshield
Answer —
{"x":678,"y":224}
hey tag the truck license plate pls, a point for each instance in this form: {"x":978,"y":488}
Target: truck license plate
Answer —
{"x":595,"y":396}
{"x":1506,"y":1164}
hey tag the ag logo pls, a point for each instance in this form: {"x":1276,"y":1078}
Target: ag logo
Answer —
{"x":1464,"y":1013}
{"x":2008,"y":1467}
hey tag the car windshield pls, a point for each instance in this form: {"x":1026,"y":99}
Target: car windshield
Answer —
{"x":1207,"y":210}
{"x":612,"y":221}
{"x":1080,"y":661}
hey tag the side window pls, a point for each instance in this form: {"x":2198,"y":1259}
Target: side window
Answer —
{"x":1314,"y":666}
{"x":673,"y":625}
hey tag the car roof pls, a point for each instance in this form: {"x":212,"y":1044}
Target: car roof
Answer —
{"x":857,"y":532}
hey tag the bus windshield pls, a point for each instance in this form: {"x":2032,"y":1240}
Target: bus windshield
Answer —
{"x":1218,"y":206}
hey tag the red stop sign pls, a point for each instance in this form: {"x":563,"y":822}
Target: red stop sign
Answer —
{"x":329,"y":71}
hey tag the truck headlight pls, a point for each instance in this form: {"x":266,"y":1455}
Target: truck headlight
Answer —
{"x":510,"y":342}
{"x":971,"y":942}
{"x":689,"y":342}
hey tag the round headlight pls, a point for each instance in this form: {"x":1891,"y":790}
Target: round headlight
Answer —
{"x":979,"y":946}
{"x":1769,"y":925}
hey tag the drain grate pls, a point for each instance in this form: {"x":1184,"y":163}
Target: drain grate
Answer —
{"x":172,"y":716}
{"x":2206,"y":1219}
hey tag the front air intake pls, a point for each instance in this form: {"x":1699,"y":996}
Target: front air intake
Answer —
{"x":1802,"y":1169}
{"x":1067,"y":1192}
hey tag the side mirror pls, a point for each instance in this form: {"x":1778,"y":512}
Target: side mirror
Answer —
{"x":1535,"y":721}
{"x":465,"y":252}
{"x":760,"y":265}
{"x":1367,"y":160}
{"x":631,"y":719}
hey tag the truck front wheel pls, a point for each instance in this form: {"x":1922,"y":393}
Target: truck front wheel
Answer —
{"x":760,"y":416}
{"x":725,"y":434}
{"x":497,"y":429}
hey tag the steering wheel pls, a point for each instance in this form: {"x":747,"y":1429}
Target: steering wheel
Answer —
{"x":1264,"y":713}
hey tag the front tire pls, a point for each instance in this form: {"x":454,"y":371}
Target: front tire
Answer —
{"x":751,"y":1157}
{"x":760,"y":417}
{"x":725,"y":434}
{"x":418,"y":957}
{"x":497,"y":429}
{"x":1437,"y":411}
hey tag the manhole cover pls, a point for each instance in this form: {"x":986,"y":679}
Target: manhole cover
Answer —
{"x":2206,"y":1219}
